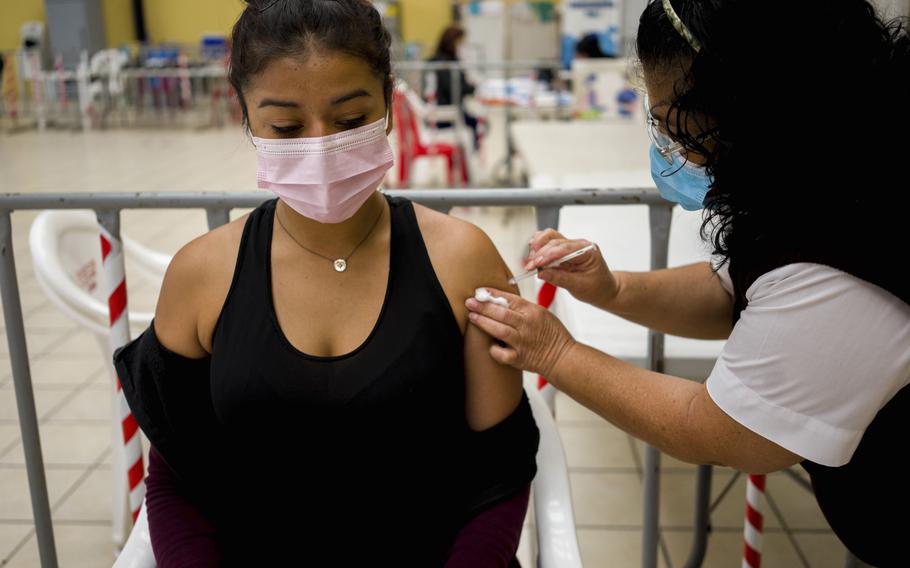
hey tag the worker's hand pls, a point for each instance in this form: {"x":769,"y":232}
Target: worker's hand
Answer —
{"x":534,"y":339}
{"x":587,"y":277}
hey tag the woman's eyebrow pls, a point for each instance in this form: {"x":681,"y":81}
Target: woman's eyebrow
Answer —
{"x":352,"y":95}
{"x":278,"y":103}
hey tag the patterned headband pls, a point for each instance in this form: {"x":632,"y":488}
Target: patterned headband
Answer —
{"x":680,"y":26}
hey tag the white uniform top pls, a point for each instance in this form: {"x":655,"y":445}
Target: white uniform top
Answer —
{"x":813,"y":358}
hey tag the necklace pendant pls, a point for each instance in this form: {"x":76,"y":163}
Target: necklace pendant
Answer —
{"x":341,"y":265}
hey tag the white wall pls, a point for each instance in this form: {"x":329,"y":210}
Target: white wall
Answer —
{"x":631,"y":13}
{"x":892,"y":8}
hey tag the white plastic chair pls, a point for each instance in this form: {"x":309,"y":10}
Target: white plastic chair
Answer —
{"x":425,"y":117}
{"x":429,"y":113}
{"x":557,"y":542}
{"x":137,"y":552}
{"x":66,"y":255}
{"x":554,"y":517}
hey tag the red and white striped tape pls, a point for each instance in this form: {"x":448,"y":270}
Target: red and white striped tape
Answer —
{"x":186,"y":91}
{"x":754,"y":525}
{"x":34,"y":63}
{"x":10,"y":91}
{"x":114,"y":278}
{"x":545,"y":297}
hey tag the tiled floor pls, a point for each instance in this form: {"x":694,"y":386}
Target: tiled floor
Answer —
{"x":73,"y":395}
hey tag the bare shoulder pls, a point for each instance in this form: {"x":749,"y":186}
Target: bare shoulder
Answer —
{"x":463,"y":256}
{"x":195,"y":286}
{"x":457,"y":241}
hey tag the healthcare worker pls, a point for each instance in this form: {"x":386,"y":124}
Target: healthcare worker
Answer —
{"x":787,"y":121}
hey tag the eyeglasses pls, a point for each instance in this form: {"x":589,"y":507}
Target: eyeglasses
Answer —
{"x":665,"y":145}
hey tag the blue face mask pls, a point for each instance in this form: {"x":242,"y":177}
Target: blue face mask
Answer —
{"x":683,"y":183}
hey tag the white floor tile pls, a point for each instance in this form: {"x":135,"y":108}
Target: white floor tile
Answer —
{"x":607,"y":499}
{"x":15,"y":502}
{"x":68,"y":444}
{"x":78,"y":546}
{"x":90,"y":501}
{"x":10,"y":537}
{"x":596,"y":446}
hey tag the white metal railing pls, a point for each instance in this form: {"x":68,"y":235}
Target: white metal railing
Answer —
{"x":108,"y":208}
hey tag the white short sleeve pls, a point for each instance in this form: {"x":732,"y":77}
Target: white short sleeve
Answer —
{"x":723,"y":273}
{"x":814,"y":357}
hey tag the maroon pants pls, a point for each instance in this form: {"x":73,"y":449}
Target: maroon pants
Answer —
{"x":182,"y":537}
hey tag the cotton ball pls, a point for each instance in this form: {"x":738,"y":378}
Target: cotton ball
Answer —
{"x":484,"y":295}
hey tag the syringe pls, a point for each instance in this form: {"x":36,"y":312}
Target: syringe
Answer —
{"x":584,"y":250}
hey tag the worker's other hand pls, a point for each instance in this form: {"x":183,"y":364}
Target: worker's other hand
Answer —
{"x":534,"y":339}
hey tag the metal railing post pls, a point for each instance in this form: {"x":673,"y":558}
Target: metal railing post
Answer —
{"x":510,"y":145}
{"x":702,"y":516}
{"x":459,"y":158}
{"x":548,"y":217}
{"x":216,"y":217}
{"x":25,"y":396}
{"x":660,"y":216}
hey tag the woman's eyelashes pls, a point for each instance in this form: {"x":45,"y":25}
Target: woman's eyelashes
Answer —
{"x":284,"y":130}
{"x":342,"y":125}
{"x":354,"y":122}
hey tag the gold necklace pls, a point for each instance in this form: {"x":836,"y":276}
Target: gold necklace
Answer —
{"x":340,"y":264}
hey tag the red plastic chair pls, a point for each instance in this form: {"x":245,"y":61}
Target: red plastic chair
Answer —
{"x":412,"y":146}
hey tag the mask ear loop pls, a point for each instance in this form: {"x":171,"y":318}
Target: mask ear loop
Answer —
{"x":678,"y":168}
{"x":388,"y":119}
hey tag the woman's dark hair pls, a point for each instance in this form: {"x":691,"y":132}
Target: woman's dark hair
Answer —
{"x":272,"y":29}
{"x":806,"y":103}
{"x":448,"y":42}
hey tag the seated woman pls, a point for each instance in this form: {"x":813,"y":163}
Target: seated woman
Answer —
{"x":310,"y":386}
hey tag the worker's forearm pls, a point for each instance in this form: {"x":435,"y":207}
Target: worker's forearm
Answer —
{"x":688,"y":301}
{"x":650,"y":406}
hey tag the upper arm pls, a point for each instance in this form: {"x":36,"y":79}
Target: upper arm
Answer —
{"x":493,"y":391}
{"x":465,"y":259}
{"x":733,"y":444}
{"x":194,"y":289}
{"x":176,"y":315}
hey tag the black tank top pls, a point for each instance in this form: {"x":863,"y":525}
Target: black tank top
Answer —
{"x":359,"y":457}
{"x":864,"y":500}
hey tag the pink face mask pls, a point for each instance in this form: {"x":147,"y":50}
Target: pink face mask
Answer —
{"x":326,"y":179}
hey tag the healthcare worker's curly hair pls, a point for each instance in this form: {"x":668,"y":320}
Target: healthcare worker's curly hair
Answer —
{"x":808,"y":106}
{"x":272,"y":29}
